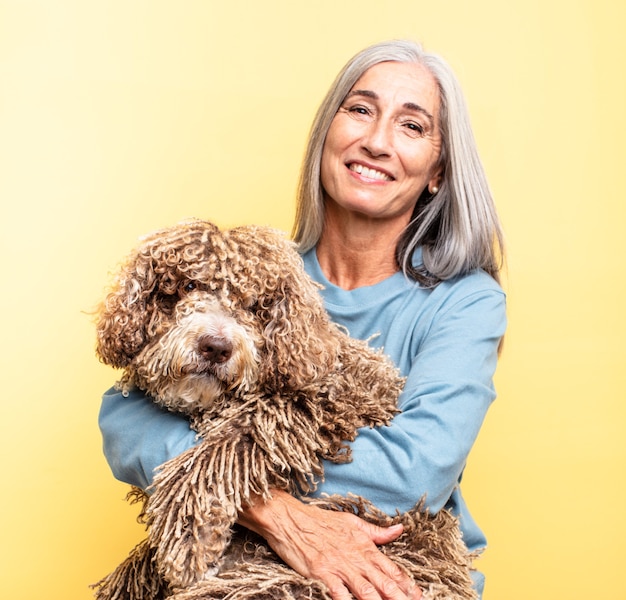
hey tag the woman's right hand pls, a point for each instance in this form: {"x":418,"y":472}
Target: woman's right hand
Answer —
{"x":336,"y":548}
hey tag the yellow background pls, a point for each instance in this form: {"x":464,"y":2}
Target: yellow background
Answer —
{"x":119,"y":117}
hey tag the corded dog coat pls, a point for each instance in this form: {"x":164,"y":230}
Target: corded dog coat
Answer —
{"x":227,"y":328}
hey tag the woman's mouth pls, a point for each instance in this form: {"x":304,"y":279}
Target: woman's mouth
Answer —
{"x":369,"y":173}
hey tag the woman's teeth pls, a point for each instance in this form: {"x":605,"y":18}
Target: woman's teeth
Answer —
{"x":369,"y":173}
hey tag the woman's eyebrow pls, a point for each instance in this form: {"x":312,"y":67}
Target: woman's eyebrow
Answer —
{"x":366,"y":93}
{"x":407,"y":105}
{"x":420,"y":109}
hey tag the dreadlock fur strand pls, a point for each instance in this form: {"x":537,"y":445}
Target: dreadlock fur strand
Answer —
{"x":226,"y":328}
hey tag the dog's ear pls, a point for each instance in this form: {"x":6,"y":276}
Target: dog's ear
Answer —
{"x":123,"y":316}
{"x":301,"y":344}
{"x":146,"y":289}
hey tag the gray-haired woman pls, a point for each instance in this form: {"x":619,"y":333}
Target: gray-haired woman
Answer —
{"x":395,"y":219}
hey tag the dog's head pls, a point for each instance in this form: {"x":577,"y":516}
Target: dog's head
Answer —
{"x":196,"y":312}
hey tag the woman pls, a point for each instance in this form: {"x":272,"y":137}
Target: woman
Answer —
{"x":396,"y":220}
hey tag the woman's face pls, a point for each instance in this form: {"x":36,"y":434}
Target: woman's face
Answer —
{"x":383,"y":144}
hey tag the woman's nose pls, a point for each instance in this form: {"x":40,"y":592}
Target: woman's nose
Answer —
{"x":377,"y":140}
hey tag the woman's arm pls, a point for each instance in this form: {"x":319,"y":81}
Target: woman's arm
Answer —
{"x":448,"y":391}
{"x":138,"y":436}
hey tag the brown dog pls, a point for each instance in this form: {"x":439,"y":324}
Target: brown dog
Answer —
{"x":227,"y":328}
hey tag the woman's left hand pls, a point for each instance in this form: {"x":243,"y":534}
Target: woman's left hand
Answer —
{"x":336,"y":548}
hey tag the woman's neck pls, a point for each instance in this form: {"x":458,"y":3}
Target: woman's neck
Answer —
{"x":352,"y":258}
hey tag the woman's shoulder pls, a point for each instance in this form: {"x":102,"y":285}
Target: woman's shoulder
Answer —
{"x":475,"y":284}
{"x":468,"y":282}
{"x":472,"y":282}
{"x":474,"y":297}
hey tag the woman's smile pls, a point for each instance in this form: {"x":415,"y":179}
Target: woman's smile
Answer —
{"x":369,"y":173}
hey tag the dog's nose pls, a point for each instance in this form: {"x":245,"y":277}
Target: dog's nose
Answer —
{"x":214,"y":349}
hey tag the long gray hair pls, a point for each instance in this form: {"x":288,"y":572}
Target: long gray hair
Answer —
{"x":457,"y":228}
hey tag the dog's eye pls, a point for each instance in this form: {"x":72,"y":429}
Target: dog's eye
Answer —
{"x":190,"y":286}
{"x":167,"y":302}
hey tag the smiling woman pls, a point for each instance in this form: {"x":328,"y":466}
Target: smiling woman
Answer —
{"x":391,"y":182}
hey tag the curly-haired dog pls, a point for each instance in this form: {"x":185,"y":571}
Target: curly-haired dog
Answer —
{"x":227,"y":328}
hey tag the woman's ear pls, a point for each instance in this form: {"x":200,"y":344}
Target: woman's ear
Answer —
{"x":434,"y":184}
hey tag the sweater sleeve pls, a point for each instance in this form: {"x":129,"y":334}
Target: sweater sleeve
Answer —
{"x":447,"y":393}
{"x":138,"y":436}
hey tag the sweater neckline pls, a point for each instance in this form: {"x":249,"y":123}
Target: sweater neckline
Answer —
{"x":368,"y":294}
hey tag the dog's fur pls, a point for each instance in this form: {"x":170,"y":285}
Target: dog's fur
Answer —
{"x":227,"y":328}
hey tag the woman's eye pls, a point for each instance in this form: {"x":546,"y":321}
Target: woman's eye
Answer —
{"x":414,"y":128}
{"x":359,"y":111}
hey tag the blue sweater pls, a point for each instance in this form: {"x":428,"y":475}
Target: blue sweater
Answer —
{"x":443,"y":340}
